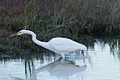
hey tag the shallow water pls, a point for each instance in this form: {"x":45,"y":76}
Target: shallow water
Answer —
{"x":101,"y":63}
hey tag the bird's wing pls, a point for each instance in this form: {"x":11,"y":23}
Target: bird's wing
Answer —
{"x":63,"y":45}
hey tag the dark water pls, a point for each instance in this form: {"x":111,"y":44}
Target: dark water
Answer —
{"x":101,"y":63}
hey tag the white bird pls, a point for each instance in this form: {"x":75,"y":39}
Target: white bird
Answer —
{"x":58,"y":45}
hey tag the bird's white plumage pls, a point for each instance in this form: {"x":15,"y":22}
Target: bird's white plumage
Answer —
{"x":65,"y":45}
{"x":58,"y":45}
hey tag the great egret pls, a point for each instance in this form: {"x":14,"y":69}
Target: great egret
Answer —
{"x":58,"y":45}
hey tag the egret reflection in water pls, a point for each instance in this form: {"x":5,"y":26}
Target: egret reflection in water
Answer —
{"x":58,"y":68}
{"x":61,"y":69}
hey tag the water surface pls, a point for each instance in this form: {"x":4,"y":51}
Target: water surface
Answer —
{"x":101,"y":63}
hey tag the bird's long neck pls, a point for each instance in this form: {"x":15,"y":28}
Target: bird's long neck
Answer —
{"x":43,"y":44}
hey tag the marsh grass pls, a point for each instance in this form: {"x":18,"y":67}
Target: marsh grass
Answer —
{"x":88,"y":17}
{"x":30,"y":13}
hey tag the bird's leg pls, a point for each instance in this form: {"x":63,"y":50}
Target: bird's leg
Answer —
{"x":83,"y":54}
{"x":86,"y":52}
{"x":63,"y":57}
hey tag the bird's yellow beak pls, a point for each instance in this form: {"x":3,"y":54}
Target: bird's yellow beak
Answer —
{"x":14,"y":34}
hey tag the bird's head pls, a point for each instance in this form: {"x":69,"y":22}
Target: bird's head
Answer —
{"x":20,"y":33}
